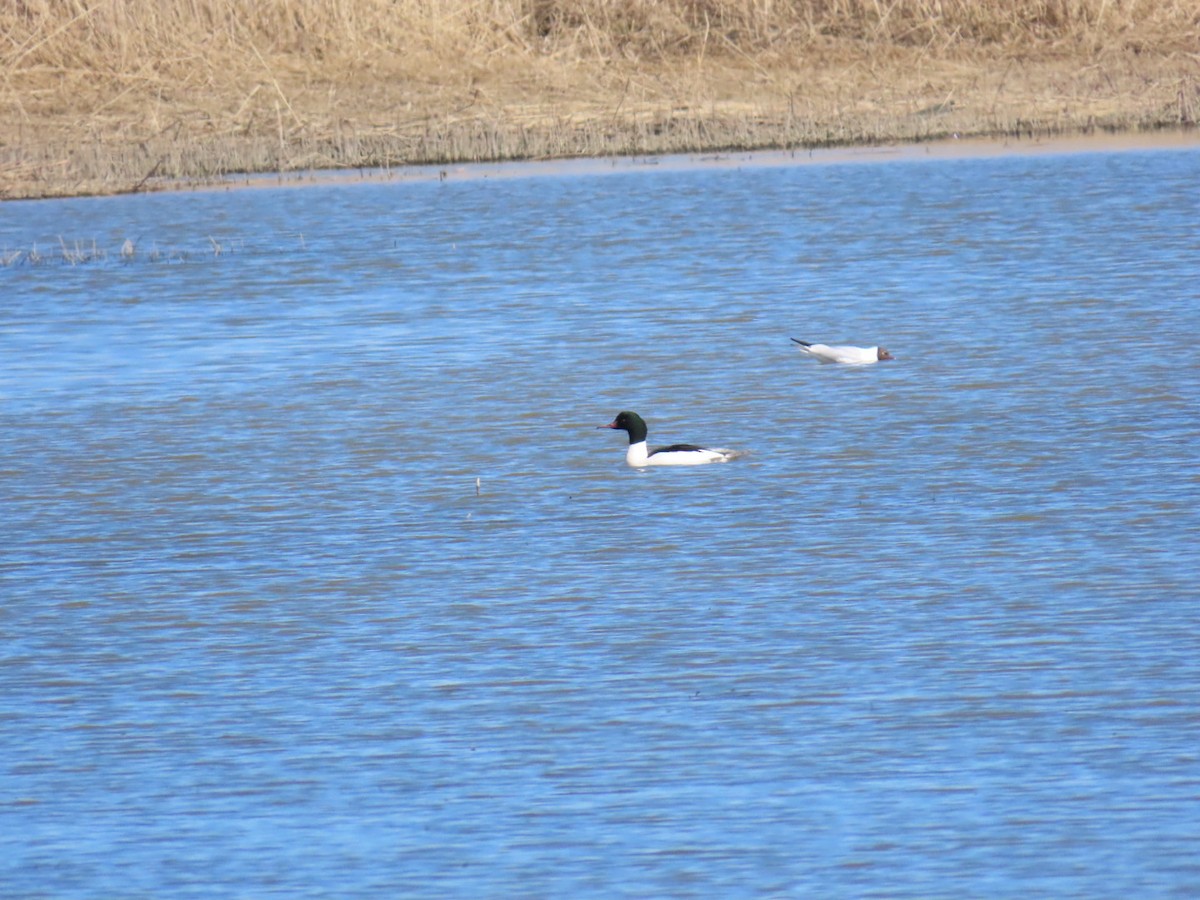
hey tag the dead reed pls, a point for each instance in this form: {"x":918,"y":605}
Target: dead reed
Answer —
{"x":119,"y":95}
{"x":90,"y":252}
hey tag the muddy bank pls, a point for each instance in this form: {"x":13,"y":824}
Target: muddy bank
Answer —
{"x":944,"y":148}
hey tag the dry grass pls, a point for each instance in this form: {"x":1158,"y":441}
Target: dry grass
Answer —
{"x":115,"y":95}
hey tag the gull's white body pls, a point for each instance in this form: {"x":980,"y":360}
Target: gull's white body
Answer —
{"x":846,"y":355}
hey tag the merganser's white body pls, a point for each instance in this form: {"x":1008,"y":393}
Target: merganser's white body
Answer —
{"x":850,"y":356}
{"x":639,"y":455}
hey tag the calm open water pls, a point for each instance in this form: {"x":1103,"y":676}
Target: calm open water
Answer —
{"x":937,"y":636}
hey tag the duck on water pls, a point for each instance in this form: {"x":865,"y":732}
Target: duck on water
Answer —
{"x":639,"y":456}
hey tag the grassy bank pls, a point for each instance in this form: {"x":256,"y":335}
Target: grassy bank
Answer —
{"x":103,"y":96}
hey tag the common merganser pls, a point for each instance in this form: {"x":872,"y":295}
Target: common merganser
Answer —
{"x":851,"y":356}
{"x":675,"y":455}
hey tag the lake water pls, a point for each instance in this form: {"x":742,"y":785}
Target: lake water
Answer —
{"x":318,"y":579}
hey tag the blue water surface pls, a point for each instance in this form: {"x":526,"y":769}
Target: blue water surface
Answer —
{"x":318,"y":579}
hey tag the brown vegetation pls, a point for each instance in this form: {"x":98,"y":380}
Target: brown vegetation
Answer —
{"x":115,"y":95}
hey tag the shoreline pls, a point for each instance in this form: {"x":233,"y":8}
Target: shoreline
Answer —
{"x":133,"y":96}
{"x":861,"y":154}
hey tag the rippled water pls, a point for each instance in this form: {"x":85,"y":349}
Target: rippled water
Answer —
{"x":318,"y":579}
